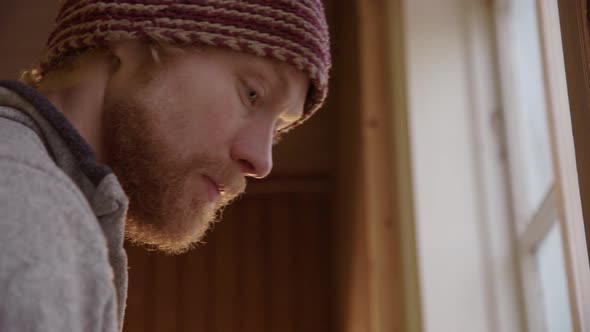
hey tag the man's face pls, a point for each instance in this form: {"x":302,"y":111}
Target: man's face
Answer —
{"x":183,"y":138}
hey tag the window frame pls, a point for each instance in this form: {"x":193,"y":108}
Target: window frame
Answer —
{"x":575,"y":175}
{"x":568,"y":199}
{"x":562,"y":202}
{"x":528,"y":230}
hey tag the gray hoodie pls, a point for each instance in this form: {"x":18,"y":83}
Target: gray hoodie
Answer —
{"x":62,"y":262}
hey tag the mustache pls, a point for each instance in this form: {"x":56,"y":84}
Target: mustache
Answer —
{"x":232,"y":187}
{"x":229,"y":177}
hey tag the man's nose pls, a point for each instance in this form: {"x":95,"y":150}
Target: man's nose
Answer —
{"x":253,"y":153}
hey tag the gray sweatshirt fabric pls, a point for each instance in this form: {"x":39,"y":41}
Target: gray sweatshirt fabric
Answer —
{"x":62,"y":262}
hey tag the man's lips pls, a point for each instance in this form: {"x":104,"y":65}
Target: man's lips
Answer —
{"x":214,"y":190}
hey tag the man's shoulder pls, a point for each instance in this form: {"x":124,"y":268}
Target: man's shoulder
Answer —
{"x":20,"y":141}
{"x":54,"y":261}
{"x":53,"y":256}
{"x":26,"y":167}
{"x":44,"y":213}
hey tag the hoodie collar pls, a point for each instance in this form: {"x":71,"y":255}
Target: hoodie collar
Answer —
{"x":75,"y":143}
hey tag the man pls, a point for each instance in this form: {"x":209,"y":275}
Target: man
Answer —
{"x":144,"y":118}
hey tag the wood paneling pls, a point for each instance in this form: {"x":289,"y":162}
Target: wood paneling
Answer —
{"x":265,"y":267}
{"x":252,"y":267}
{"x":24,"y":28}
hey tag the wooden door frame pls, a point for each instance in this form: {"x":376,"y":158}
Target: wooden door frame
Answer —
{"x":377,"y":272}
{"x":388,"y":206}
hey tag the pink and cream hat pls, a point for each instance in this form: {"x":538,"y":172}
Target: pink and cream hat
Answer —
{"x":294,"y":31}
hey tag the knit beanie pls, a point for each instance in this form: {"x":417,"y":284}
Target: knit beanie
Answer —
{"x":293,"y":31}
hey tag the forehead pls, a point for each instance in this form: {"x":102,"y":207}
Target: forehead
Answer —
{"x":282,"y":70}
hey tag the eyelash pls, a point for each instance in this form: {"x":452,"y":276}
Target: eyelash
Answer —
{"x":278,"y":137}
{"x":252,"y":96}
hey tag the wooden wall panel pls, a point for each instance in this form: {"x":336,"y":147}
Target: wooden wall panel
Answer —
{"x":140,"y":284}
{"x":24,"y":28}
{"x":252,"y":266}
{"x":163,"y":309}
{"x":351,"y":287}
{"x":281,"y":271}
{"x":224,"y":278}
{"x":265,"y":267}
{"x":311,"y":253}
{"x":196,"y":314}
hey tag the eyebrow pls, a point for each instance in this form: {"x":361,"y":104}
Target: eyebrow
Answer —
{"x":289,"y":118}
{"x":283,"y":81}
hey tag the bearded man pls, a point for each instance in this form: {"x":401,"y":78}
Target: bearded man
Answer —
{"x":142,"y":121}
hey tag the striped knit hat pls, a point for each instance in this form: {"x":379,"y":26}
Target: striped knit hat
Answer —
{"x":294,"y":31}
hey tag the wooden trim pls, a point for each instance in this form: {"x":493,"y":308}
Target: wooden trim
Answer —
{"x":388,"y":207}
{"x":351,"y":297}
{"x":402,"y":166}
{"x":291,"y":185}
{"x":385,"y":289}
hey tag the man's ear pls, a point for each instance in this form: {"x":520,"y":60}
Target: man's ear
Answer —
{"x":129,"y":56}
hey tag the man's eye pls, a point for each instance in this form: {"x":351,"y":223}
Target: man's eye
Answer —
{"x":253,"y":96}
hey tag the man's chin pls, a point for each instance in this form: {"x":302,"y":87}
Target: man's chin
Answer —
{"x":171,"y":235}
